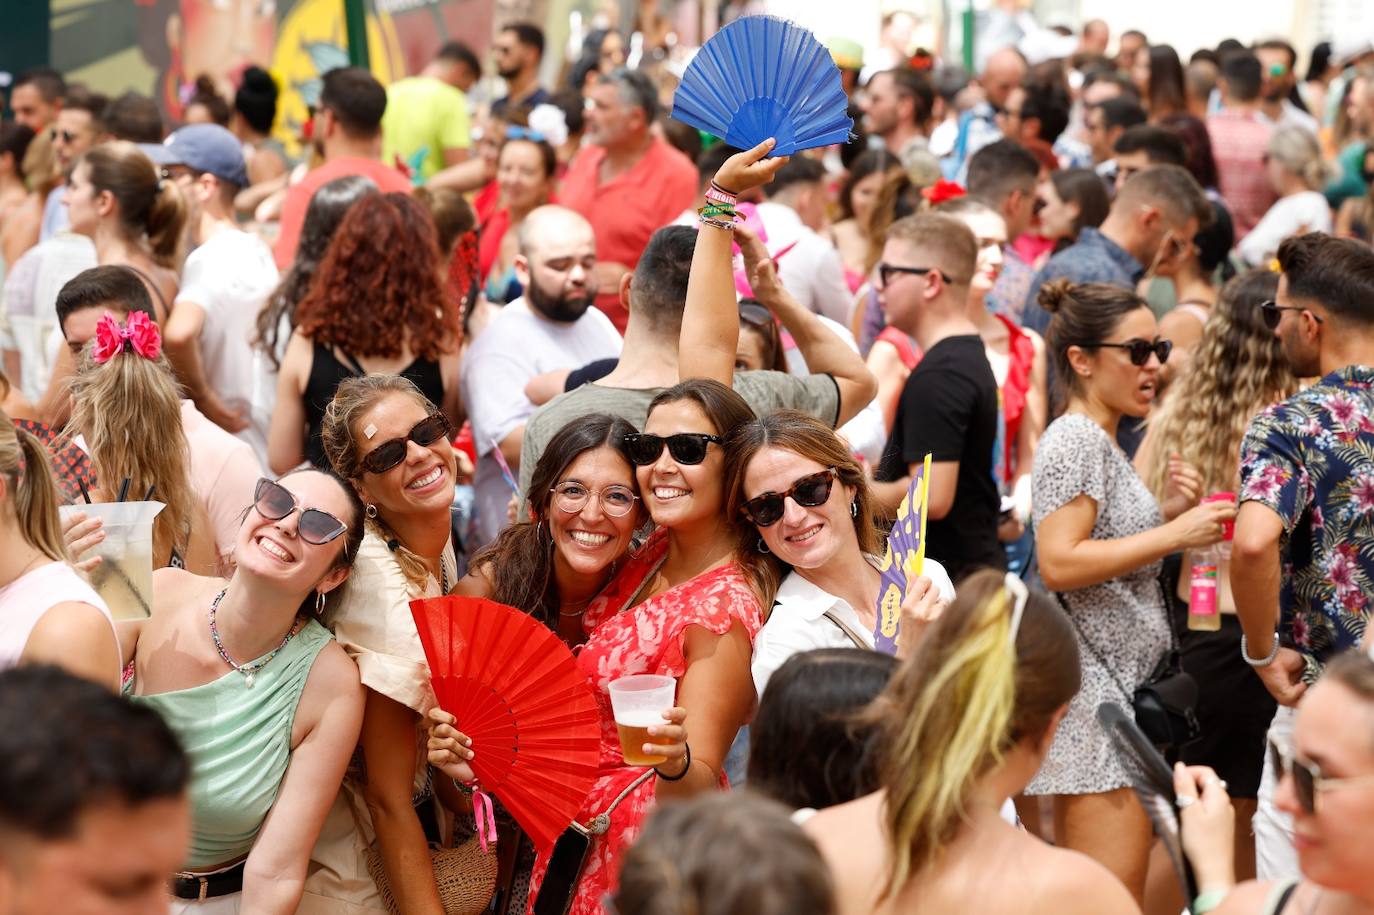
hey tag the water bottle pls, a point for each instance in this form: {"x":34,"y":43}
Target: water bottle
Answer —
{"x":1203,"y":613}
{"x":1202,"y":592}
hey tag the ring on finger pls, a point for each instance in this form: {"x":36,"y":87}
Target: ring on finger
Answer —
{"x":1183,"y":802}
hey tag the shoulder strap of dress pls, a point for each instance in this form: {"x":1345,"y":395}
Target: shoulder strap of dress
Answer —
{"x":349,"y":362}
{"x":847,"y":630}
{"x":152,"y":284}
{"x":1280,"y":897}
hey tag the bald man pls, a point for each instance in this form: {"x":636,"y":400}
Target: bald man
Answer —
{"x":551,"y":327}
{"x":1004,"y":71}
{"x":1096,"y":37}
{"x":979,"y":126}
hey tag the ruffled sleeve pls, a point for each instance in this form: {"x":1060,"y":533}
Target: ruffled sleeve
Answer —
{"x":715,"y":601}
{"x":373,"y":624}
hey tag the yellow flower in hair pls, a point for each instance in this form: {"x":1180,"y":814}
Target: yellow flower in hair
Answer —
{"x":1274,"y":266}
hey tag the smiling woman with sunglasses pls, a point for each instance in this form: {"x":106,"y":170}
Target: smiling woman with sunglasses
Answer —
{"x":392,"y":445}
{"x":1325,"y":783}
{"x":1101,"y":535}
{"x":809,"y":510}
{"x":264,"y":701}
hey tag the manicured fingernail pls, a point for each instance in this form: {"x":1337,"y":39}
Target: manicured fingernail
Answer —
{"x":653,"y":730}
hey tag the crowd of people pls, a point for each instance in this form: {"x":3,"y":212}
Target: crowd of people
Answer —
{"x":666,"y":397}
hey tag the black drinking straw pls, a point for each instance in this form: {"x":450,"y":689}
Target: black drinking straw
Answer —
{"x":123,"y":490}
{"x":85,"y":493}
{"x":148,"y":496}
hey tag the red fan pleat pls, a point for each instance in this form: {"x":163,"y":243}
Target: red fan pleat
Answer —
{"x":516,"y":691}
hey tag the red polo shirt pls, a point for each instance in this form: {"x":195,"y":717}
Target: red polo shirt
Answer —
{"x":627,"y":210}
{"x":387,"y":178}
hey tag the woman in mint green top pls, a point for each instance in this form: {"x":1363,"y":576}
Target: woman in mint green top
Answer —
{"x":266,"y":703}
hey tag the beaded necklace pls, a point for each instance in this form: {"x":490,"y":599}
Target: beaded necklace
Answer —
{"x":250,"y":671}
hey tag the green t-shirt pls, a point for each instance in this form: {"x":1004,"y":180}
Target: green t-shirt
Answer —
{"x":424,"y":116}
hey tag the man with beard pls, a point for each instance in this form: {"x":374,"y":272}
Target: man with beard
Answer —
{"x":1277,"y":60}
{"x":518,"y":51}
{"x":553,"y":326}
{"x":897,"y":106}
{"x":1302,"y":561}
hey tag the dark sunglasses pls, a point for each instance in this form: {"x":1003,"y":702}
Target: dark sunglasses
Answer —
{"x":1308,"y":778}
{"x":1272,"y":313}
{"x":274,"y":502}
{"x":887,"y":271}
{"x":685,"y":447}
{"x":393,"y":451}
{"x":756,"y":316}
{"x":66,"y":136}
{"x":1140,"y":351}
{"x":810,"y":491}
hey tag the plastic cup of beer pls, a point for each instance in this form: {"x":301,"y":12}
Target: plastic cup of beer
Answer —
{"x":639,"y":702}
{"x":124,"y":578}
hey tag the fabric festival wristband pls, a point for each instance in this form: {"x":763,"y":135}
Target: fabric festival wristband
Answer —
{"x":720,"y":195}
{"x":713,"y":211}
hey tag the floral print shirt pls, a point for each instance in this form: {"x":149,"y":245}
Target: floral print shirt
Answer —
{"x":1311,"y":460}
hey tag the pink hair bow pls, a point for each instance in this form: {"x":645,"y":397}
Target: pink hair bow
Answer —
{"x":139,"y":334}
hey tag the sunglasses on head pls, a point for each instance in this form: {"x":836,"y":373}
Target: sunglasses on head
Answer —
{"x":766,"y":510}
{"x":1308,"y":778}
{"x":1272,"y":313}
{"x":1139,"y":351}
{"x":274,"y":502}
{"x":393,"y":451}
{"x":644,"y":448}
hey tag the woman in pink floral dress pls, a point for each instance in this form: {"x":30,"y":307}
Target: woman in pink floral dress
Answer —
{"x":684,"y":606}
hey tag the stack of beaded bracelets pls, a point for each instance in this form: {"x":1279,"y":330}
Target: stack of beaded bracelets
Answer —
{"x":719,"y":203}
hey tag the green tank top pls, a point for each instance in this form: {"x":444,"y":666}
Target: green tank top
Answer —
{"x":239,"y":741}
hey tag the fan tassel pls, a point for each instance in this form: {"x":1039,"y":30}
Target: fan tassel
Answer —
{"x":483,"y":812}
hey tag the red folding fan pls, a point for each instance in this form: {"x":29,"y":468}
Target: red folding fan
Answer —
{"x":516,"y":691}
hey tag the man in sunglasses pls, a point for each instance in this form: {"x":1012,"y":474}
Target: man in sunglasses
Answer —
{"x":551,"y":327}
{"x":948,"y":408}
{"x":79,"y":126}
{"x":1302,"y":562}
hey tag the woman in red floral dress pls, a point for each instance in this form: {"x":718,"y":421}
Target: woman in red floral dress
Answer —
{"x":684,"y":606}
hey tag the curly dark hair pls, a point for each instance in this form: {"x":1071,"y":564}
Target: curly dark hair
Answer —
{"x":378,"y":290}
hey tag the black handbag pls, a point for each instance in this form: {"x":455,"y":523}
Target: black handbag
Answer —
{"x":1165,"y":705}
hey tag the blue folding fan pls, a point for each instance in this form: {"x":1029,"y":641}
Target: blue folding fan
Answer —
{"x":762,"y":77}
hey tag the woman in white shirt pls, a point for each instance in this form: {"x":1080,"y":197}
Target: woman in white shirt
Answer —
{"x":809,"y":505}
{"x":1296,"y":170}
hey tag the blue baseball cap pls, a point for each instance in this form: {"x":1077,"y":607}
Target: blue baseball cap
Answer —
{"x":209,"y":148}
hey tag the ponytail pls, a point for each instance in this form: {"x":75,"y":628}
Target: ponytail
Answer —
{"x":166,"y":222}
{"x":35,"y":497}
{"x":972,"y":691}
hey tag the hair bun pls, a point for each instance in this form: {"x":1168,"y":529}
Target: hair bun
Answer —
{"x":1054,"y":294}
{"x":258,"y":80}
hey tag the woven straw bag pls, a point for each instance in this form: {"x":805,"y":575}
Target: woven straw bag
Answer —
{"x":464,"y":874}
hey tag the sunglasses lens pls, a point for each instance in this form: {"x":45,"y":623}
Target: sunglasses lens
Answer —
{"x":274,"y":501}
{"x":812,"y":492}
{"x":385,"y":456}
{"x":428,"y":431}
{"x":1270,"y":314}
{"x":1140,"y":352}
{"x":765,"y":510}
{"x":687,"y":449}
{"x":1162,"y":349}
{"x":319,"y":527}
{"x":643,"y":449}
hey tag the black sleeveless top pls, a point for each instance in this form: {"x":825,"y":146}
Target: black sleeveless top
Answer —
{"x":326,"y":371}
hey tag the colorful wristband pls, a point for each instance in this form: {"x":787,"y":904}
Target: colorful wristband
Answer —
{"x":1209,"y":900}
{"x":721,"y":195}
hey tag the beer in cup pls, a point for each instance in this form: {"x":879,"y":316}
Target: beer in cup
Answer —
{"x":639,"y":702}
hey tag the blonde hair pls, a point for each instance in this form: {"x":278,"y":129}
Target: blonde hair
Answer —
{"x":973,"y":689}
{"x":129,"y":410}
{"x":149,"y":205}
{"x":1298,"y":152}
{"x":28,"y":473}
{"x":354,"y":397}
{"x":1237,"y":369}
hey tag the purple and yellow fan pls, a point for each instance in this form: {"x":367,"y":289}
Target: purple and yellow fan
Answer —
{"x":762,"y":77}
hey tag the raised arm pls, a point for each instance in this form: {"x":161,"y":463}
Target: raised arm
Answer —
{"x":710,"y":319}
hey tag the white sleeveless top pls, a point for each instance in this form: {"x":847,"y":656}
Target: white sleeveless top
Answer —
{"x":24,"y":601}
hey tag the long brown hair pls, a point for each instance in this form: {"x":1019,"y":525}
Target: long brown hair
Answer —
{"x":520,"y":561}
{"x":726,"y":410}
{"x":973,"y":689}
{"x":148,"y":204}
{"x":1237,"y":370}
{"x":812,"y":439}
{"x":32,"y":492}
{"x":378,"y":291}
{"x":129,"y":410}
